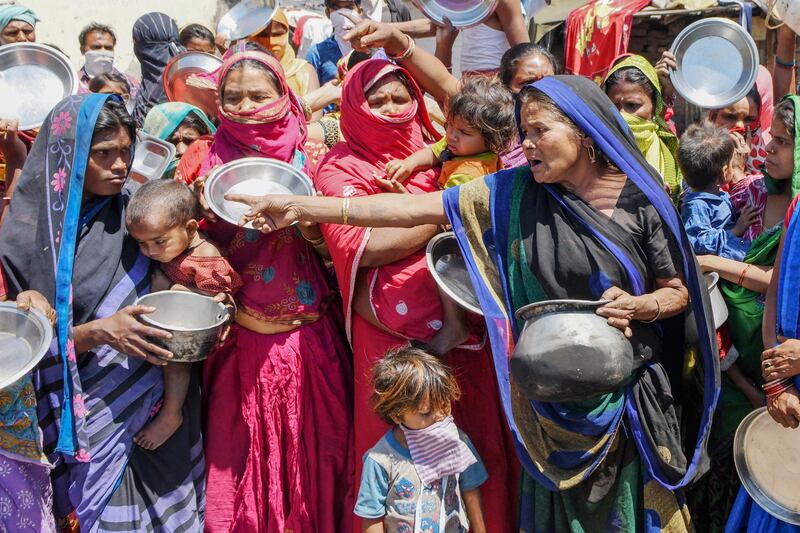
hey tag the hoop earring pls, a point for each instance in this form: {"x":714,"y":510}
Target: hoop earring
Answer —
{"x":592,"y":153}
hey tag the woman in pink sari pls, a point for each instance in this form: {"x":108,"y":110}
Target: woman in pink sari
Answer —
{"x":278,"y":393}
{"x":390,"y":297}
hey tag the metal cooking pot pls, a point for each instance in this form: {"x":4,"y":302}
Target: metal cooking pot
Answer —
{"x":567,"y":352}
{"x":194,"y":320}
{"x":718,"y":308}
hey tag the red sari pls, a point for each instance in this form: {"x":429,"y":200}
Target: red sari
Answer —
{"x":278,"y":403}
{"x":403,"y":295}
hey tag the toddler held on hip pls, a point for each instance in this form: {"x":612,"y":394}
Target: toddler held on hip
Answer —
{"x":163,"y":218}
{"x":423,"y":474}
{"x":481,"y":124}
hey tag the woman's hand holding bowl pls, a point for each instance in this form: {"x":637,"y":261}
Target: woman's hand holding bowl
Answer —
{"x":782,"y":361}
{"x":123,"y":332}
{"x":35,"y":300}
{"x":785,"y":408}
{"x":624,"y":307}
{"x":198,"y":187}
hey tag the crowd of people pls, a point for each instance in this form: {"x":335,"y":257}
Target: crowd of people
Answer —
{"x":348,"y":393}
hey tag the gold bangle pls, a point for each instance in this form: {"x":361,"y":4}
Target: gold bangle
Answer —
{"x":314,"y":242}
{"x":345,"y":210}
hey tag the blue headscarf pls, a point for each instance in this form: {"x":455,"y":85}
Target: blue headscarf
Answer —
{"x":12,"y":12}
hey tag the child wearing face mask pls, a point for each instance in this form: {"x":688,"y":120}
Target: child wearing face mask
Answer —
{"x":423,"y":474}
{"x":480,"y":126}
{"x":162,"y":217}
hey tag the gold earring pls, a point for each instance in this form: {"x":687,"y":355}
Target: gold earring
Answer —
{"x":592,"y":153}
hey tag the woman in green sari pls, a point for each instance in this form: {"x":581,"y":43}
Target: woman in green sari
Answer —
{"x":744,"y":288}
{"x":179,"y":124}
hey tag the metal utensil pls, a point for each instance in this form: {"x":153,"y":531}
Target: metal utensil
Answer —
{"x":717,"y":63}
{"x":181,"y":82}
{"x":194,"y":320}
{"x":151,"y":158}
{"x":765,"y":454}
{"x":458,"y":13}
{"x":256,"y":176}
{"x":25,"y":337}
{"x":248,"y":17}
{"x":446,"y":265}
{"x":33,"y":79}
{"x":568,"y":352}
{"x":719,"y":308}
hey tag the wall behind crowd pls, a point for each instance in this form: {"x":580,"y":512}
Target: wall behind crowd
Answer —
{"x":62,"y":21}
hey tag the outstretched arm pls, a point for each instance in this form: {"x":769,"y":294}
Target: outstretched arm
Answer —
{"x":510,"y":14}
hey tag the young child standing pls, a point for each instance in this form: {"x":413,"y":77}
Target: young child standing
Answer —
{"x":423,"y":474}
{"x":480,"y":126}
{"x":162,"y":217}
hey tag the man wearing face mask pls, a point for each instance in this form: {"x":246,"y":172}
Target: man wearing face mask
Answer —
{"x":97,"y":46}
{"x":323,"y":56}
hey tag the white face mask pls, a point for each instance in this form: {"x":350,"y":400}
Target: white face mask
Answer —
{"x":98,"y":62}
{"x":342,"y":25}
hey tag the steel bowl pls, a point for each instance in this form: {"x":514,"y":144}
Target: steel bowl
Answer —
{"x":151,"y":157}
{"x":256,"y":176}
{"x":460,"y":13}
{"x":567,"y":352}
{"x":446,"y":265}
{"x":25,"y":338}
{"x":194,"y":320}
{"x":248,"y":17}
{"x":765,"y":454}
{"x":719,"y":309}
{"x":33,"y":79}
{"x":717,"y":63}
{"x":181,"y":83}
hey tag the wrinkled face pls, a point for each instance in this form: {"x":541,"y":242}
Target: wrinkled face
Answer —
{"x":107,"y":168}
{"x":780,"y":152}
{"x":530,"y":69}
{"x":633,"y":99}
{"x":182,"y":138}
{"x":389,"y":97}
{"x":463,"y":139}
{"x":247,"y":89}
{"x":421,"y":418}
{"x":17,"y":32}
{"x":98,"y":40}
{"x":197,"y":44}
{"x":551,"y":146}
{"x":736,"y":116}
{"x":160,"y":242}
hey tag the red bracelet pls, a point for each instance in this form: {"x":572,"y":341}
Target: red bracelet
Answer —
{"x":741,"y":276}
{"x":407,"y":52}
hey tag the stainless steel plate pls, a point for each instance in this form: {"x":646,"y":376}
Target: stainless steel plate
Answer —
{"x":460,"y":13}
{"x":151,"y":157}
{"x":255,"y":176}
{"x":182,"y":85}
{"x":717,"y":63}
{"x":766,"y":455}
{"x":247,"y":18}
{"x":25,"y":338}
{"x":447,"y":266}
{"x":33,"y":79}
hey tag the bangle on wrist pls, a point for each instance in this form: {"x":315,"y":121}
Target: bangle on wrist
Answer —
{"x":313,"y":242}
{"x":657,"y":315}
{"x":407,"y":52}
{"x":306,"y":108}
{"x":742,"y":275}
{"x":785,"y":64}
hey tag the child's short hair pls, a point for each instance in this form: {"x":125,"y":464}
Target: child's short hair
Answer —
{"x":101,"y":81}
{"x":703,"y":152}
{"x":485,"y":104}
{"x":407,"y":378}
{"x":167,"y":200}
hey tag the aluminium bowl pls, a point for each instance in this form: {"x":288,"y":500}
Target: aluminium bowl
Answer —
{"x":25,"y":338}
{"x":446,"y":265}
{"x":719,"y":309}
{"x":460,"y":13}
{"x":177,"y":80}
{"x":247,"y":18}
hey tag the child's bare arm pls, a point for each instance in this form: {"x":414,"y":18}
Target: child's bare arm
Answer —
{"x":751,"y":392}
{"x":401,"y":169}
{"x":372,"y":525}
{"x":159,"y":281}
{"x":474,"y":508}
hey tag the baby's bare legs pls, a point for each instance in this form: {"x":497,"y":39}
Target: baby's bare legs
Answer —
{"x":170,"y":417}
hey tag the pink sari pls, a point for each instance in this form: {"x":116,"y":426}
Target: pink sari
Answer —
{"x":278,"y":440}
{"x":402,"y":294}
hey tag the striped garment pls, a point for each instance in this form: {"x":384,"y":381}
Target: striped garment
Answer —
{"x":438,"y":450}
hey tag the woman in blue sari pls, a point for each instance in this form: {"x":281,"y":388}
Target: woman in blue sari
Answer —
{"x":593,"y":223}
{"x":65,"y":237}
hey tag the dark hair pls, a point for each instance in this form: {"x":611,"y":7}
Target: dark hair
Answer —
{"x":96,"y":27}
{"x":486,"y":105}
{"x":195,"y":31}
{"x":634,"y":76}
{"x":103,"y":80}
{"x":332,"y":3}
{"x":515,"y":54}
{"x":755,"y":96}
{"x":253,"y":47}
{"x":114,"y":116}
{"x":407,"y":378}
{"x":786,"y":113}
{"x":703,"y":152}
{"x":192,"y":120}
{"x":167,"y":200}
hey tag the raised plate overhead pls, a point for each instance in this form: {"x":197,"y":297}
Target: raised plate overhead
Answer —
{"x":181,"y":83}
{"x":25,"y":337}
{"x":717,"y":63}
{"x":33,"y":79}
{"x":247,"y":18}
{"x":460,"y":13}
{"x":256,"y":176}
{"x":449,"y":270}
{"x":766,"y":455}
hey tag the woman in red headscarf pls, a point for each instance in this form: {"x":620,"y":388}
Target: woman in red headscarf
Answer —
{"x":278,"y":393}
{"x":390,"y":297}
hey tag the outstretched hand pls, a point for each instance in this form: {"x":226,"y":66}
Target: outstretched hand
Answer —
{"x":267,"y":213}
{"x":368,"y":34}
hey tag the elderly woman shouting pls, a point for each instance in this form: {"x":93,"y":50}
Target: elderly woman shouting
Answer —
{"x":612,"y":461}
